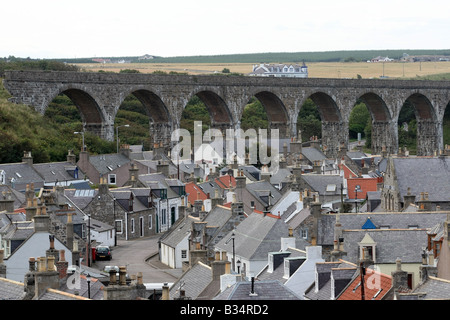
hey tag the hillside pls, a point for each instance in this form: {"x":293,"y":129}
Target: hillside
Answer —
{"x":268,"y":57}
{"x":23,"y":129}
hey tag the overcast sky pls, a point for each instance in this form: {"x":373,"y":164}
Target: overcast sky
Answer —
{"x":96,"y":28}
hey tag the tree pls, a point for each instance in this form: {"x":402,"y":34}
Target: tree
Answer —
{"x":308,"y":121}
{"x":254,"y":116}
{"x":358,"y":120}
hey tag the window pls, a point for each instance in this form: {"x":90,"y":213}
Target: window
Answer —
{"x":150,"y":221}
{"x":183,"y":254}
{"x":304,"y":234}
{"x":132,"y":225}
{"x":111,"y":179}
{"x":163,"y":216}
{"x":252,"y":204}
{"x":119,"y":227}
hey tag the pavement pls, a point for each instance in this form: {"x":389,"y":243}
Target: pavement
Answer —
{"x":140,"y":255}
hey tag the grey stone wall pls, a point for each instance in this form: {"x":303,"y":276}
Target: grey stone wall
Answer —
{"x":227,"y":96}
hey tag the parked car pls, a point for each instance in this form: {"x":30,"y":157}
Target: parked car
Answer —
{"x":103,"y":253}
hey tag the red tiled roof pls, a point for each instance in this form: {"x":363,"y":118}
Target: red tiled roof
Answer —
{"x":194,"y":192}
{"x":225,"y":180}
{"x":376,"y":285}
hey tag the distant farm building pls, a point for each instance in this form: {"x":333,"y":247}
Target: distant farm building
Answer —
{"x":280,"y":70}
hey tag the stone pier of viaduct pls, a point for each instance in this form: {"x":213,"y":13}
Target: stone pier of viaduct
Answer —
{"x":98,"y":97}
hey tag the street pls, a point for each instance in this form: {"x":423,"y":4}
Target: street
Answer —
{"x":140,"y":255}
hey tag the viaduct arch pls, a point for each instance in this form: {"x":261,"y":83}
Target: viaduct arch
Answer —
{"x":99,"y":96}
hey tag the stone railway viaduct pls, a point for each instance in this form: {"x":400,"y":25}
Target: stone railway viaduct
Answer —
{"x":98,"y":97}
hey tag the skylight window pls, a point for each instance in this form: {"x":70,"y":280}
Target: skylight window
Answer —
{"x":376,"y":294}
{"x":19,"y":175}
{"x":331,"y":188}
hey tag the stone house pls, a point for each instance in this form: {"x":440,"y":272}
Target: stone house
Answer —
{"x":252,"y":239}
{"x":400,"y":188}
{"x":385,"y":236}
{"x":113,"y":167}
{"x":130,"y":210}
{"x":258,"y":195}
{"x":200,"y":281}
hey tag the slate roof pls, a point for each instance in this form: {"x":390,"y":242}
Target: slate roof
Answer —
{"x":19,"y":197}
{"x":393,"y":220}
{"x":178,"y":232}
{"x":22,"y":173}
{"x":96,"y":289}
{"x":58,"y":171}
{"x":194,"y":281}
{"x":162,"y":180}
{"x":264,"y":290}
{"x":313,"y":154}
{"x":278,"y":272}
{"x":255,"y":236}
{"x":390,"y":244}
{"x":321,"y":288}
{"x":431,"y":289}
{"x":433,"y":174}
{"x":261,"y":190}
{"x":11,"y":290}
{"x":106,"y":163}
{"x":319,"y":183}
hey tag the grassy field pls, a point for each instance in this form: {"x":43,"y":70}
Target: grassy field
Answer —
{"x":316,"y":70}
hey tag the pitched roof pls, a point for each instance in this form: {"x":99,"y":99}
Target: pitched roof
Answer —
{"x":265,"y":192}
{"x":11,"y":290}
{"x":178,"y":232}
{"x":431,"y":289}
{"x":390,"y":244}
{"x":193,"y":281}
{"x":105,"y":163}
{"x":58,"y":171}
{"x":433,"y":174}
{"x":392,"y":220}
{"x":255,"y":236}
{"x":21,"y":173}
{"x":321,"y":183}
{"x":194,"y":192}
{"x":376,"y":286}
{"x":263,"y":290}
{"x":325,"y":276}
{"x":278,"y":272}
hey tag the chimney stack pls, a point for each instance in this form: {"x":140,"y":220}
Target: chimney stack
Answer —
{"x":41,"y":220}
{"x":7,"y":202}
{"x":69,"y":231}
{"x":62,"y":265}
{"x":27,"y":158}
{"x":399,"y":277}
{"x":165,"y":292}
{"x":71,"y":157}
{"x":46,"y":276}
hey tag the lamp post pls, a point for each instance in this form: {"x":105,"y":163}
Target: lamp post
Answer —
{"x":238,"y":263}
{"x":89,"y":241}
{"x":234,"y":253}
{"x":88,"y":279}
{"x":117,"y":134}
{"x":115,"y":228}
{"x":82,"y":135}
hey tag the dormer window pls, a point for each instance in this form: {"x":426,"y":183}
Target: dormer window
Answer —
{"x":370,"y":245}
